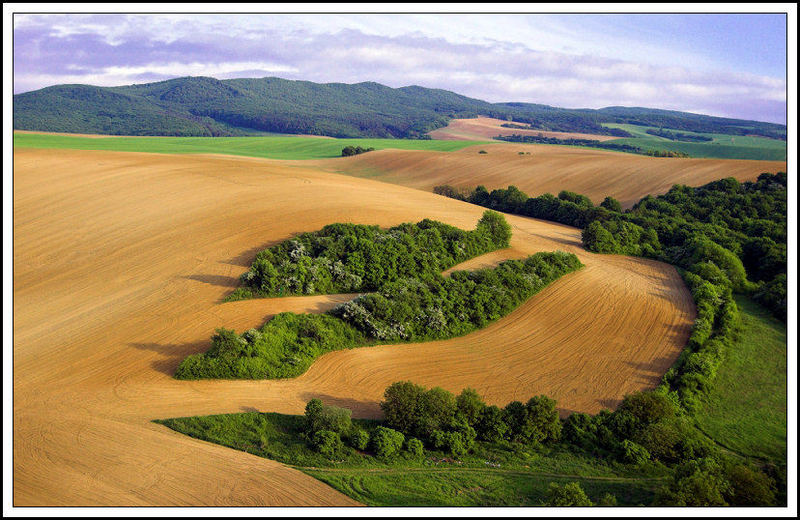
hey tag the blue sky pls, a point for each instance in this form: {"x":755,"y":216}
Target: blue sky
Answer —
{"x":727,"y":65}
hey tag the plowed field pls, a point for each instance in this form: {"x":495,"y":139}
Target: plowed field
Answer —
{"x":121,"y":261}
{"x":548,"y":169}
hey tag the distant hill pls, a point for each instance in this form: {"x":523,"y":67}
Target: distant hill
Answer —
{"x":202,"y":106}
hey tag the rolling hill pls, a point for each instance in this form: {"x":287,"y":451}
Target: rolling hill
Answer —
{"x":204,"y":106}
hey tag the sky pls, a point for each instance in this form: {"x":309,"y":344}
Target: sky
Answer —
{"x":719,"y":64}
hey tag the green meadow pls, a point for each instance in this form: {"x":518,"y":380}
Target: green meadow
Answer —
{"x":271,"y":147}
{"x":746,"y":409}
{"x":722,"y":146}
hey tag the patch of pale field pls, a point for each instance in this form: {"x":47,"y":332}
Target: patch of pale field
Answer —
{"x":481,"y":128}
{"x":121,"y":261}
{"x":548,"y":169}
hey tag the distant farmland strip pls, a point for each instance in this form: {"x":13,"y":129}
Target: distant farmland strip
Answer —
{"x":291,"y":148}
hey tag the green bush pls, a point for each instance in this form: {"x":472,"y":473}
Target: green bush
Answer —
{"x":327,"y":443}
{"x":415,"y":447}
{"x":632,"y":453}
{"x":386,"y":442}
{"x":323,"y":417}
{"x":569,"y":495}
{"x":359,"y":439}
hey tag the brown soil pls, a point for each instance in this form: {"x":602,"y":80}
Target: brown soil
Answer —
{"x":120,"y":263}
{"x":548,"y":169}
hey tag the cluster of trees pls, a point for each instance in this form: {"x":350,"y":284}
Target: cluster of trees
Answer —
{"x":452,"y":424}
{"x":724,"y":236}
{"x":679,"y":136}
{"x":740,"y":228}
{"x":433,"y":307}
{"x":592,"y":143}
{"x":666,"y":153}
{"x":648,"y":430}
{"x":411,"y":300}
{"x":419,"y":308}
{"x":567,"y":208}
{"x":358,"y":258}
{"x":347,"y":151}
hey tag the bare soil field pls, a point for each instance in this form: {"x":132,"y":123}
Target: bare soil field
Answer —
{"x":120,"y":264}
{"x":548,"y":169}
{"x":480,"y":128}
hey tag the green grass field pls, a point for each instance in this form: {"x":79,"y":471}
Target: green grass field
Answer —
{"x":272,"y":147}
{"x":746,"y":410}
{"x":515,"y":477}
{"x":722,"y":146}
{"x":473,"y":487}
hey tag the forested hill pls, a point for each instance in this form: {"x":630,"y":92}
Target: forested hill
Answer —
{"x":202,"y":106}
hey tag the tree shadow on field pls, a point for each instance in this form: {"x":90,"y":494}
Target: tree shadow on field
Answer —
{"x":230,"y":282}
{"x":245,"y":258}
{"x":171,"y":354}
{"x":363,"y":409}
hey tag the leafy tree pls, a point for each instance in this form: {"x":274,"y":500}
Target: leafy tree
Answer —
{"x":611,"y":204}
{"x":469,"y":405}
{"x":570,"y":495}
{"x":327,"y":443}
{"x":386,"y":442}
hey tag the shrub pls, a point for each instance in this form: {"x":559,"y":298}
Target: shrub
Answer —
{"x":326,"y":442}
{"x":632,"y":453}
{"x":414,"y":447}
{"x":570,"y":494}
{"x":359,"y":439}
{"x":323,"y":417}
{"x":386,"y":442}
{"x":749,"y":487}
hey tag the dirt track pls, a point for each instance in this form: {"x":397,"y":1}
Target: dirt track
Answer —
{"x":548,"y":169}
{"x":120,"y":263}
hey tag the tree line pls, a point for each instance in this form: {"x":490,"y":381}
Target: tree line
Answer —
{"x":410,"y":300}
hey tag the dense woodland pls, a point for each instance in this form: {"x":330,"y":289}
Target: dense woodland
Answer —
{"x":407,"y":299}
{"x":202,"y":106}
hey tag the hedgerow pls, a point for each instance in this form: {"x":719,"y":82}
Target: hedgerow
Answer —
{"x":407,"y":310}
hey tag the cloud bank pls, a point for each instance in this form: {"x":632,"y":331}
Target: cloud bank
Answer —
{"x":111,"y":50}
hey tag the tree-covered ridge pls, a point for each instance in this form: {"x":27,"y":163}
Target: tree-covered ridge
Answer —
{"x":419,"y":307}
{"x":203,"y":106}
{"x":343,"y":258}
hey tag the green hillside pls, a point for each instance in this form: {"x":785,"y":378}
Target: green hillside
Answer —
{"x":720,"y":145}
{"x":202,"y":106}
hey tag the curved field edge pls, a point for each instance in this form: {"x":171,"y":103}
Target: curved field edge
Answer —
{"x":408,"y":311}
{"x":491,"y":476}
{"x":745,"y":412}
{"x":93,"y":367}
{"x":270,"y":147}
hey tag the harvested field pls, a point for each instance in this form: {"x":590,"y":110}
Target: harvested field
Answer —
{"x":548,"y":169}
{"x":120,"y":264}
{"x":480,"y":128}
